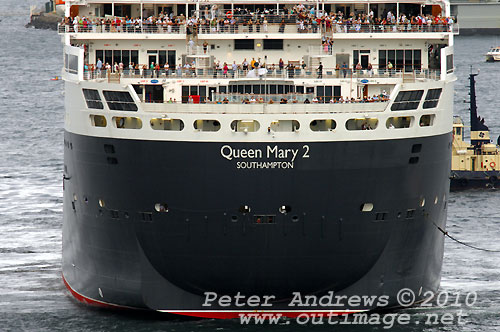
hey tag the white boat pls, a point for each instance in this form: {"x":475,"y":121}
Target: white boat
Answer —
{"x":493,"y":54}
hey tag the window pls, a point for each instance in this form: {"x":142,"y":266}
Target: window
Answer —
{"x":93,"y":99}
{"x":407,"y":100}
{"x":449,"y":63}
{"x":112,"y":56}
{"x":285,"y":125}
{"x":323,"y":125}
{"x":273,"y":44}
{"x":361,"y":124}
{"x":264,"y":219}
{"x":399,"y":122}
{"x":207,"y":125}
{"x":244,"y":44}
{"x":407,"y":60}
{"x":245,"y":126}
{"x":71,"y":63}
{"x":426,"y":120}
{"x":198,"y":94}
{"x":167,"y":124}
{"x":326,"y":93}
{"x":98,"y":120}
{"x":432,"y":98}
{"x":366,"y":207}
{"x":120,"y":101}
{"x":128,"y":122}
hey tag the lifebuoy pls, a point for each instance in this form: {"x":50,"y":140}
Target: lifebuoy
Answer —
{"x":493,"y":164}
{"x":229,"y":14}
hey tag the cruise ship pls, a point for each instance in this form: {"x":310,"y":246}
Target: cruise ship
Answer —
{"x":262,"y":150}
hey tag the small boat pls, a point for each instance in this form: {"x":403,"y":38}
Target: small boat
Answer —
{"x":493,"y":54}
{"x":475,"y":164}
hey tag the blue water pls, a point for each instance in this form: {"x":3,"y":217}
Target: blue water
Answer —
{"x":32,"y":295}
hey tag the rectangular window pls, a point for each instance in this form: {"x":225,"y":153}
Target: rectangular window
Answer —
{"x":432,"y":98}
{"x":72,"y":64}
{"x":449,"y":63}
{"x":93,"y":99}
{"x":244,"y":44}
{"x":382,"y":59}
{"x":407,"y":100}
{"x":273,"y":44}
{"x":120,"y":101}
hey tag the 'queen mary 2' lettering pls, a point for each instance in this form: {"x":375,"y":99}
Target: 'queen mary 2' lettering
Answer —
{"x":270,"y":157}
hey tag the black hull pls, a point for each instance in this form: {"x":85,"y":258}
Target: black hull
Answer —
{"x":128,"y":254}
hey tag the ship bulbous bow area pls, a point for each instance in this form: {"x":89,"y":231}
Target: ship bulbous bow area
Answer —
{"x":227,"y":266}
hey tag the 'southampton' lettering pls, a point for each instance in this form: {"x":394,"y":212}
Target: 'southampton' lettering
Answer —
{"x":281,"y":158}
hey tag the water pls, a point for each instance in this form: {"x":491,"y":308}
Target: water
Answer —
{"x":32,"y":295}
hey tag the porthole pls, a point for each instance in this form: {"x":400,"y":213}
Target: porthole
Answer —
{"x":366,"y":207}
{"x":284,"y":209}
{"x":422,"y":202}
{"x":295,"y":218}
{"x":161,"y":207}
{"x":244,"y":209}
{"x":234,"y":218}
{"x":436,"y":200}
{"x":101,"y":203}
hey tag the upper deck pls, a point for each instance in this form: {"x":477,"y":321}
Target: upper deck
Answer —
{"x":167,"y":19}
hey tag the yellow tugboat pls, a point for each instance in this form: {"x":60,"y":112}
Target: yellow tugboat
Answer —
{"x":475,"y":164}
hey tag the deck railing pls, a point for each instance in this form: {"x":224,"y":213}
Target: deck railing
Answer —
{"x":210,"y":73}
{"x":166,"y":28}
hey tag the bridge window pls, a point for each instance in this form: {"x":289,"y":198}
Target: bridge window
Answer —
{"x":399,"y":122}
{"x":93,"y":99}
{"x":167,"y":124}
{"x":127,"y":122}
{"x":245,"y":126}
{"x":407,"y":100}
{"x":207,"y":125}
{"x":432,"y":98}
{"x":98,"y":120}
{"x":120,"y":101}
{"x":323,"y":125}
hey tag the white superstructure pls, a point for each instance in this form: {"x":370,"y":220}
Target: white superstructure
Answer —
{"x":173,"y":62}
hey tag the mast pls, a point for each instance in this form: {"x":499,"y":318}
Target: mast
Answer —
{"x":479,"y":131}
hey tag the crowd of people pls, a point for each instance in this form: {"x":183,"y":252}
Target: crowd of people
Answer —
{"x":247,"y":68}
{"x":305,"y":18}
{"x":300,"y":98}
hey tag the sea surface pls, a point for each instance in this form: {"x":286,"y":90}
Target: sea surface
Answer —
{"x":32,"y":295}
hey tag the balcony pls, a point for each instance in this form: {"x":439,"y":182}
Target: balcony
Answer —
{"x":363,"y":75}
{"x":206,"y":31}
